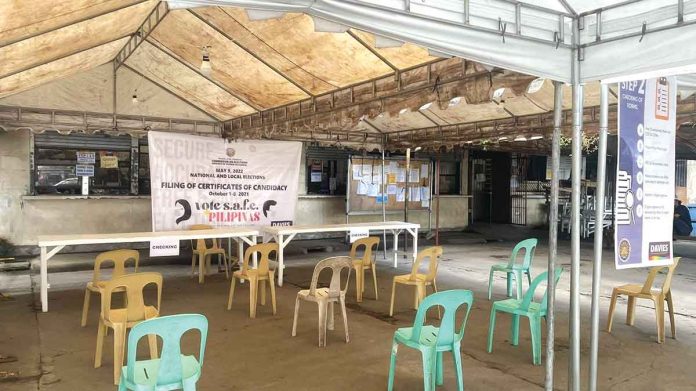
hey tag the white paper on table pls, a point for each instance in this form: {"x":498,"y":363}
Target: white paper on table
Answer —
{"x":424,"y":171}
{"x":401,"y":194}
{"x":414,"y":194}
{"x":391,"y":189}
{"x":425,"y":193}
{"x":362,"y":188}
{"x":373,"y":190}
{"x":401,"y":174}
{"x":425,"y":203}
{"x":414,"y":177}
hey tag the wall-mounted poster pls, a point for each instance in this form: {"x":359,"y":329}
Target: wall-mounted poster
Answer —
{"x":205,"y":180}
{"x":645,"y":173}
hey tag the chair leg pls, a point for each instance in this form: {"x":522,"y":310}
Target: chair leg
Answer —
{"x":535,"y":329}
{"x":152,"y":342}
{"x":226,"y":263}
{"x":509,"y":284}
{"x":490,"y":284}
{"x":193,"y":265}
{"x":428,"y":369}
{"x":439,"y":370}
{"x":416,"y":297}
{"x":253,"y":293}
{"x":660,"y":319}
{"x":330,"y":315}
{"x":529,"y":277}
{"x":322,"y":322}
{"x":491,"y":328}
{"x":231,"y":295}
{"x":85,"y":308}
{"x":374,"y":280}
{"x":612,"y":307}
{"x":201,"y":268}
{"x":515,"y":330}
{"x":101,"y":329}
{"x":262,"y":288}
{"x":119,"y":347}
{"x":273,"y":293}
{"x":391,"y":307}
{"x":631,"y":311}
{"x":294,"y":321}
{"x":392,"y":365}
{"x":457,"y":355}
{"x":439,"y":313}
{"x":670,"y":308}
{"x":518,"y":284}
{"x":359,"y":276}
{"x":345,"y":318}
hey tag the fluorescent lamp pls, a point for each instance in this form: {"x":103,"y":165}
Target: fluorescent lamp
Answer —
{"x":403,"y":111}
{"x":536,"y":137}
{"x":455,"y":101}
{"x":426,"y":106}
{"x":520,"y":138}
{"x":502,"y":138}
{"x":535,"y":85}
{"x":498,"y":94}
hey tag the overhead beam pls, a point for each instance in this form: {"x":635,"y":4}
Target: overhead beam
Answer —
{"x":57,"y":58}
{"x":202,"y":110}
{"x":371,"y":125}
{"x":72,"y":22}
{"x":151,"y":22}
{"x":185,"y":63}
{"x":374,"y":51}
{"x":266,"y":63}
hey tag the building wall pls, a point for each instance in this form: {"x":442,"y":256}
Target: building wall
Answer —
{"x":23,"y":218}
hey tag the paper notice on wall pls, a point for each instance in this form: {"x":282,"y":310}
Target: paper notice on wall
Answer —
{"x":391,"y":189}
{"x":401,"y":175}
{"x":414,"y":194}
{"x":415,"y":176}
{"x":315,"y":176}
{"x":391,"y":178}
{"x":357,"y":172}
{"x":367,"y":170}
{"x":373,"y":190}
{"x":645,"y":173}
{"x":381,"y":199}
{"x":362,"y":188}
{"x":401,"y":194}
{"x":164,"y":247}
{"x":425,"y":203}
{"x":85,"y":157}
{"x":208,"y":180}
{"x":108,"y":162}
{"x":424,"y":171}
{"x":425,"y":193}
{"x":377,"y":178}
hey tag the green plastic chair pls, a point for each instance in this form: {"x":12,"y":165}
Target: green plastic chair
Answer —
{"x":515,"y":269}
{"x":173,"y":370}
{"x":433,"y":341}
{"x":525,"y":307}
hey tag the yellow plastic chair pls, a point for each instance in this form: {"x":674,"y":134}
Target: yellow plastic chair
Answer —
{"x":326,"y":297}
{"x":121,"y":319}
{"x":419,"y":280}
{"x":366,"y":262}
{"x":646,"y":291}
{"x":256,"y":277}
{"x":119,"y":258}
{"x":203,"y":253}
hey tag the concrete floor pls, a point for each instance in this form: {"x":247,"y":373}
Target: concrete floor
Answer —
{"x":259,"y":354}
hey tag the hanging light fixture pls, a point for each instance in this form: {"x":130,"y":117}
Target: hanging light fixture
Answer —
{"x":454,"y":101}
{"x":403,"y":111}
{"x":535,"y":85}
{"x":521,"y":137}
{"x":206,"y":68}
{"x":502,"y":138}
{"x":536,"y":137}
{"x":426,"y":106}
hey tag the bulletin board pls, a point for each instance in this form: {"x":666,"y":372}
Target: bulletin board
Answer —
{"x":366,"y":185}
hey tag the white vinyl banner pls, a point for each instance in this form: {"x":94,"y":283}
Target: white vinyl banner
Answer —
{"x":645,"y":173}
{"x":204,"y":180}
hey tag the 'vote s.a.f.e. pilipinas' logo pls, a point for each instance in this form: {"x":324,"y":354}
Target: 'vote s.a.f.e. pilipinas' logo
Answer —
{"x":244,"y":211}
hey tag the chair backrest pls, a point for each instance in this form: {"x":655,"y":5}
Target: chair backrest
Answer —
{"x":200,"y":243}
{"x":133,"y":284}
{"x":450,"y":301}
{"x":370,"y":244}
{"x":667,"y":284}
{"x":529,"y":247}
{"x":265,"y":250}
{"x":529,"y":295}
{"x":433,"y":254}
{"x":336,"y":264}
{"x":119,"y":258}
{"x":170,"y":329}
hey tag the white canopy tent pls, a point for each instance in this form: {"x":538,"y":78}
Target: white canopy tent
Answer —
{"x":569,"y":41}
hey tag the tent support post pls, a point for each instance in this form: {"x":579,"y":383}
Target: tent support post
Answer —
{"x":553,"y":231}
{"x":574,"y":361}
{"x":599,"y":229}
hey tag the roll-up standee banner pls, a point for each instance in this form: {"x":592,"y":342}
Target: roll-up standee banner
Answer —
{"x":205,"y":180}
{"x":645,"y":173}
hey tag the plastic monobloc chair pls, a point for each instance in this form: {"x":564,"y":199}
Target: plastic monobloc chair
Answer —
{"x":118,"y":258}
{"x":326,"y":297}
{"x":364,"y":263}
{"x":173,"y":370}
{"x":259,"y":276}
{"x":419,"y":280}
{"x":121,"y":319}
{"x":433,"y":341}
{"x":203,"y":253}
{"x":512,"y":268}
{"x":527,"y":307}
{"x":646,"y":291}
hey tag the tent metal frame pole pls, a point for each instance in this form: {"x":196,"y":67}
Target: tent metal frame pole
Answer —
{"x":574,"y":332}
{"x":599,"y":229}
{"x":553,"y":232}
